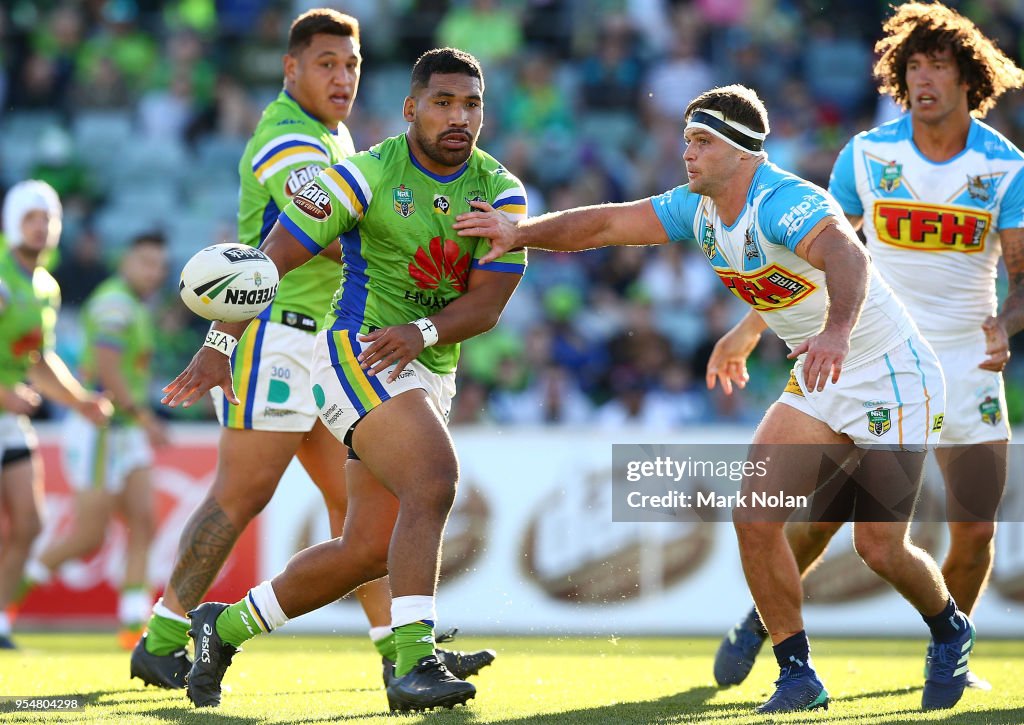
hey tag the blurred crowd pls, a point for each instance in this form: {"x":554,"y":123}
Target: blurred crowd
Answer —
{"x":137,"y":111}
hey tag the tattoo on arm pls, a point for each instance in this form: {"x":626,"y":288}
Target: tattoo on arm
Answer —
{"x":205,"y":544}
{"x":1013,"y":257}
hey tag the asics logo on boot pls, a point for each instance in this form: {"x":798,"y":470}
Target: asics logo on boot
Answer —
{"x":204,"y":645}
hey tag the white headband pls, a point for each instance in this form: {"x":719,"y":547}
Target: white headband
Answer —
{"x":26,"y":196}
{"x":733,"y":133}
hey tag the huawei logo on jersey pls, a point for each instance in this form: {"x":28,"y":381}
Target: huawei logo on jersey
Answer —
{"x":772,"y":288}
{"x":931,"y":227}
{"x":441,"y":261}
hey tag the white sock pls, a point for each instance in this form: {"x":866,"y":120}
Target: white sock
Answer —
{"x":414,"y":608}
{"x":133,"y":606}
{"x":379,"y":633}
{"x":37,"y":572}
{"x":161,"y":611}
{"x":264,"y":600}
{"x":5,"y":624}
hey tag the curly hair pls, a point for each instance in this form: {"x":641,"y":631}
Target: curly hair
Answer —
{"x":930,"y":28}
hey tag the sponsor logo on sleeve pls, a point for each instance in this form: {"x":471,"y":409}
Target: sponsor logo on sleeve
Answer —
{"x":931,"y":227}
{"x":313,"y":201}
{"x":799,"y":213}
{"x":297,"y":178}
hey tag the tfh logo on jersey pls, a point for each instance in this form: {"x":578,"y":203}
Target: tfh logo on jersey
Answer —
{"x":931,"y":227}
{"x":773,"y":288}
{"x":405,"y":206}
{"x":313,"y":201}
{"x":891,"y":175}
{"x":442,"y":205}
{"x":298,"y":178}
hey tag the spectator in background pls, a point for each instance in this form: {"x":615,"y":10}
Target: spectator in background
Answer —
{"x":133,"y":53}
{"x":482,"y":28}
{"x":611,"y":75}
{"x":673,"y":81}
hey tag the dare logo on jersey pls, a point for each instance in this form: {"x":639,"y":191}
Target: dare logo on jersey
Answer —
{"x":297,"y":178}
{"x":931,"y":227}
{"x":313,"y":201}
{"x":772,"y":288}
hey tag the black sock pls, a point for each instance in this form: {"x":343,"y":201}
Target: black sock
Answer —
{"x":794,"y":651}
{"x":947,"y":625}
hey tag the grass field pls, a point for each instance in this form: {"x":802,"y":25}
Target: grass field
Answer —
{"x":535,"y":681}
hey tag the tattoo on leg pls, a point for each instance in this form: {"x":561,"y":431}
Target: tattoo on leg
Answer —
{"x":206,"y":542}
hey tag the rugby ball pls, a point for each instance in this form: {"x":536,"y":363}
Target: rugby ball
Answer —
{"x":228,"y":282}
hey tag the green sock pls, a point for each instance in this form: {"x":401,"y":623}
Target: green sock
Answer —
{"x":165,"y":635}
{"x":236,"y":624}
{"x":386,"y":647}
{"x":413,"y":642}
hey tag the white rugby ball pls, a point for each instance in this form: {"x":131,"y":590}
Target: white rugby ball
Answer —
{"x":228,"y":282}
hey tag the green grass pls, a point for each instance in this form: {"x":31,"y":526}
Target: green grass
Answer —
{"x":535,"y":681}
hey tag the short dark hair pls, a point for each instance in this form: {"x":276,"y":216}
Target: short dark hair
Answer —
{"x":736,"y":103}
{"x":445,"y":60}
{"x":156,"y":238}
{"x":320,"y":20}
{"x":930,"y":28}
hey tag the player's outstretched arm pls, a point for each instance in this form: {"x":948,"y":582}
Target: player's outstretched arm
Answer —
{"x":473,"y":313}
{"x":573,"y":230}
{"x":53,"y":379}
{"x":834,"y":248}
{"x":728,"y":361}
{"x":1010,"y":320}
{"x":211,"y":366}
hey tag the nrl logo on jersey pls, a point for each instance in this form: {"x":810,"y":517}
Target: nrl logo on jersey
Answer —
{"x":891,"y":175}
{"x":403,"y":201}
{"x":990,"y":412}
{"x":298,"y":178}
{"x":707,"y":243}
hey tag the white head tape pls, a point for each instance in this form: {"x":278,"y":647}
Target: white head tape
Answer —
{"x":26,"y":196}
{"x":733,"y":133}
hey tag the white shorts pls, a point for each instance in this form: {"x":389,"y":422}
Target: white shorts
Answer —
{"x":344,"y":393}
{"x":270,"y":370}
{"x":16,"y":435}
{"x":975,"y":398}
{"x":102,"y":458}
{"x":895,"y":400}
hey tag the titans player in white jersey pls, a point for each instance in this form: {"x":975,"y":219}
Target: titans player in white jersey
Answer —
{"x":783,"y":246}
{"x":939,"y":196}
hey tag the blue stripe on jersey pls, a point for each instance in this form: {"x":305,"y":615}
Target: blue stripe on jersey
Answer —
{"x":286,"y":145}
{"x":353,"y":184}
{"x":892,"y":378}
{"x":350,"y":393}
{"x":351,"y":306}
{"x":270,"y":215}
{"x":374,"y":382}
{"x":254,"y":374}
{"x":520,"y":200}
{"x":438,"y":177}
{"x":511,"y":267}
{"x":224,"y":399}
{"x":304,"y":239}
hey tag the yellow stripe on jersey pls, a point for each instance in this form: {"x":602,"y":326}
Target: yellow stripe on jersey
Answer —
{"x":243,"y":371}
{"x":344,"y":191}
{"x":289,"y":156}
{"x":355,"y":375}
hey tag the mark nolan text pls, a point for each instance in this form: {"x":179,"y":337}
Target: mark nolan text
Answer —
{"x":706,"y":499}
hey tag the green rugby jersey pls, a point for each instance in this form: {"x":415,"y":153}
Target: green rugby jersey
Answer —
{"x":29,"y":301}
{"x":288,"y":148}
{"x":402,"y":259}
{"x":114,"y":317}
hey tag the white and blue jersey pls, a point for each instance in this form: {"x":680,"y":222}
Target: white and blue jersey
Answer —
{"x":932,"y":228}
{"x":755,"y":258}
